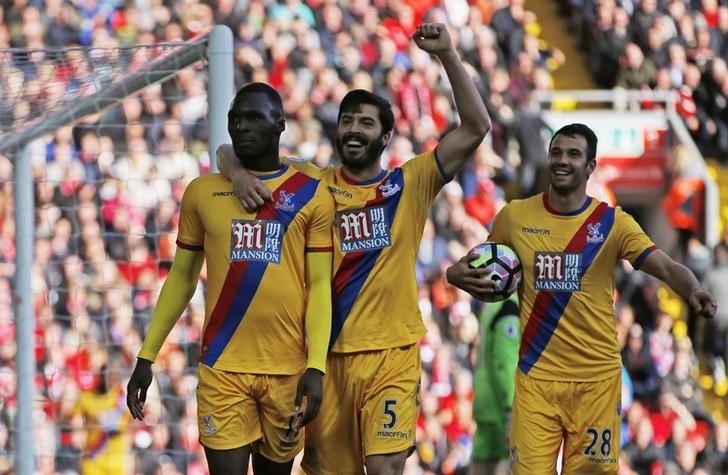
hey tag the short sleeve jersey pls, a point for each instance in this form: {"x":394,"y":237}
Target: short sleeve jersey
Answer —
{"x":255,"y":302}
{"x":377,"y":231}
{"x":567,"y":292}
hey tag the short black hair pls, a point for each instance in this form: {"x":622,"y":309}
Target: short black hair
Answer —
{"x":580,"y":130}
{"x":355,"y":98}
{"x":263,"y":88}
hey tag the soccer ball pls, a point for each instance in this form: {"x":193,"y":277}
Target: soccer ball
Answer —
{"x":504,"y":266}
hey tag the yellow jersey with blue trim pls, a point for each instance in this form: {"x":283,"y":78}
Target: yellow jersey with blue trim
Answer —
{"x":377,"y":231}
{"x":568,"y":330}
{"x":256,"y":292}
{"x":106,"y":420}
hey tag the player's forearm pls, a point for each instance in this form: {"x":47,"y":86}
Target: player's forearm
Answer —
{"x":176,"y":293}
{"x":227,"y":162}
{"x":318,"y":308}
{"x":471,"y":109}
{"x":677,"y":276}
{"x":682,"y":281}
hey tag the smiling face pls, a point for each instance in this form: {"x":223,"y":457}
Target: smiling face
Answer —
{"x":359,"y":138}
{"x":255,"y":124}
{"x":568,"y":165}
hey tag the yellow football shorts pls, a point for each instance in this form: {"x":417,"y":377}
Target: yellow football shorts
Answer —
{"x":370,"y":406}
{"x":585,"y":416}
{"x":235,"y":409}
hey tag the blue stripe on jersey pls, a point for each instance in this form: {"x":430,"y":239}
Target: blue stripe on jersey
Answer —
{"x":557,"y":305}
{"x":363,"y":264}
{"x":643,"y":255}
{"x":255,"y":270}
{"x":275,"y":174}
{"x":319,"y":249}
{"x":370,"y":181}
{"x":189,"y":247}
{"x":440,"y":167}
{"x":304,"y":194}
{"x":246,"y":290}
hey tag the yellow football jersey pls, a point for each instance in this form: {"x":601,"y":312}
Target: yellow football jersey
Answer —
{"x":255,"y":301}
{"x":377,"y":231}
{"x":567,"y":291}
{"x":106,"y":420}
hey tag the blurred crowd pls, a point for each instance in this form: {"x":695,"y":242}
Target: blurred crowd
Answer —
{"x":664,"y":45}
{"x":108,"y":190}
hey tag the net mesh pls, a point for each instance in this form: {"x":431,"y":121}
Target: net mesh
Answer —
{"x":34,"y":83}
{"x":108,"y":187}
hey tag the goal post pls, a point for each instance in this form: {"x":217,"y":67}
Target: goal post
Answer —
{"x":167,"y":60}
{"x":216,"y":47}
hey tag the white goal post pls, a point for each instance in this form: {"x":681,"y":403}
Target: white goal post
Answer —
{"x":215,"y":47}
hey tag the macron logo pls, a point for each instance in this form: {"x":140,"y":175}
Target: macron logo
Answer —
{"x":336,"y":191}
{"x":216,"y":194}
{"x":529,"y":230}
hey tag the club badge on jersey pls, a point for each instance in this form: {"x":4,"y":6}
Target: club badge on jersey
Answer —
{"x":285,"y":201}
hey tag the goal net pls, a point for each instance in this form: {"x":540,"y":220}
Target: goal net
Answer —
{"x":113,"y":136}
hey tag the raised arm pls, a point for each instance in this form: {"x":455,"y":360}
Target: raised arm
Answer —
{"x":681,"y":280}
{"x":249,"y":190}
{"x":176,"y":293}
{"x":458,"y":146}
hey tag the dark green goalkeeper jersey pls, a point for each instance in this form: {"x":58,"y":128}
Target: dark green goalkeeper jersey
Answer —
{"x":495,"y":369}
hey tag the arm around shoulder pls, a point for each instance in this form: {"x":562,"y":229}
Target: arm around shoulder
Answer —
{"x":249,"y":190}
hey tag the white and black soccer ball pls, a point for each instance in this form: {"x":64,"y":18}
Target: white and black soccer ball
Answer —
{"x":505,"y":268}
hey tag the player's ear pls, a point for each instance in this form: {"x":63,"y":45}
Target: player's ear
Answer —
{"x":281,"y":124}
{"x":590,"y":166}
{"x":385,"y":138}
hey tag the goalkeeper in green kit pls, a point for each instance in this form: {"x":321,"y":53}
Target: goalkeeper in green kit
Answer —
{"x":495,"y":373}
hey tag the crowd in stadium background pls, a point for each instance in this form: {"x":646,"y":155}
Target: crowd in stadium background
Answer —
{"x":108,"y":199}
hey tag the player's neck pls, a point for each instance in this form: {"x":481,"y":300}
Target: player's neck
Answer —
{"x":262,"y":163}
{"x":566,"y":203}
{"x":364,"y":174}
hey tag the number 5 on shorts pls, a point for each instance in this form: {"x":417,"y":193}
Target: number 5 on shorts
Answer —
{"x":389,"y":412}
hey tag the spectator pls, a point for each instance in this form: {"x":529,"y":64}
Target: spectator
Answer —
{"x":662,"y":344}
{"x":642,"y":453}
{"x":716,"y":331}
{"x":645,"y":16}
{"x":716,"y":459}
{"x":682,"y":382}
{"x":638,"y":363}
{"x":636,"y":72}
